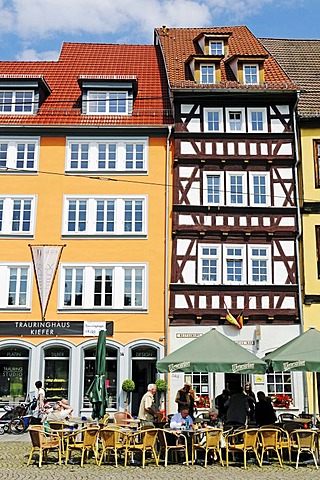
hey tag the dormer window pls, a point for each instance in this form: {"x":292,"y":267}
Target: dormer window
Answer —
{"x":216,"y":48}
{"x":108,"y":94}
{"x":16,"y":101}
{"x":207,"y":73}
{"x":251,"y":74}
{"x":104,"y":102}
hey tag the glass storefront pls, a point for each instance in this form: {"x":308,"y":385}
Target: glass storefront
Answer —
{"x":14,"y":365}
{"x":56,"y":373}
{"x":111,"y":375}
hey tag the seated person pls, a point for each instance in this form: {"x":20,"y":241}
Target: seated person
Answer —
{"x":265,"y":414}
{"x":65,"y":405}
{"x":59,"y":414}
{"x":214,"y":421}
{"x":181,"y":419}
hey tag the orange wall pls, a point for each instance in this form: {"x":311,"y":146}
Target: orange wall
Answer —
{"x":50,"y":188}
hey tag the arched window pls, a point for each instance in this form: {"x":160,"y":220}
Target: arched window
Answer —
{"x":56,"y":372}
{"x":14,"y":366}
{"x":111,"y":375}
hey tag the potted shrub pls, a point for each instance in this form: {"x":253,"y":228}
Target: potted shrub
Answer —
{"x":162,"y":388}
{"x":128,"y":386}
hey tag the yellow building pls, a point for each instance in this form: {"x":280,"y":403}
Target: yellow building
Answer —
{"x":84,"y":155}
{"x":301,"y":60}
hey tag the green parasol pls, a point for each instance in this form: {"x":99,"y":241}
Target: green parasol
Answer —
{"x":302,"y":354}
{"x":97,"y":391}
{"x":212,"y":352}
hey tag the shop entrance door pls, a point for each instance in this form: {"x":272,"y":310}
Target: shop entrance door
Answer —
{"x":143,"y":373}
{"x":232,"y":380}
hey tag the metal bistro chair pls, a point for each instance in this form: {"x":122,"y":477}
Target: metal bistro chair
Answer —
{"x":88,"y":443}
{"x":303,"y":441}
{"x":113,"y":441}
{"x":142,"y":441}
{"x":44,"y":443}
{"x":245,"y":440}
{"x":209,"y":443}
{"x":286,"y":417}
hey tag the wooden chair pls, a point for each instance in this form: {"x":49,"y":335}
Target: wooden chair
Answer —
{"x":87,"y":444}
{"x":112,"y":441}
{"x":172,"y":442}
{"x":120,"y":418}
{"x":142,"y":441}
{"x":211,"y":443}
{"x":303,"y":440}
{"x":43,"y":443}
{"x":244,"y":440}
{"x":270,"y":439}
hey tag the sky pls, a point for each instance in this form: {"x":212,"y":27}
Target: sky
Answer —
{"x":34,"y":30}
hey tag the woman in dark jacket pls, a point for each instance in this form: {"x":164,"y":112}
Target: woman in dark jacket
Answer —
{"x":251,"y":400}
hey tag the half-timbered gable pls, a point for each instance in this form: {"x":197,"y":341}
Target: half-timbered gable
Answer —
{"x":234,"y":216}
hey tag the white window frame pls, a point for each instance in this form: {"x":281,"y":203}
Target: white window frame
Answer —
{"x":88,"y":284}
{"x":206,"y":65}
{"x":242,"y":119}
{"x":5,"y":269}
{"x":263,"y":111}
{"x":251,"y":65}
{"x":207,"y":112}
{"x":266,"y":258}
{"x":206,"y":176}
{"x":241,"y":257}
{"x":120,"y":157}
{"x":11,"y":160}
{"x":106,"y":101}
{"x":244,"y":202}
{"x":8,"y":215}
{"x":252,"y":176}
{"x":216,"y":257}
{"x":91,"y":210}
{"x":14,"y":103}
{"x":273,"y":386}
{"x":216,"y":42}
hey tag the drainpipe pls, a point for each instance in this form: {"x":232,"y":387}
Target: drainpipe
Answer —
{"x":166,"y":241}
{"x":298,"y":238}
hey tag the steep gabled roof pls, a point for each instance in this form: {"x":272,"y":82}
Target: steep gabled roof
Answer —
{"x":178,"y":44}
{"x":79,"y":60}
{"x":301,"y":61}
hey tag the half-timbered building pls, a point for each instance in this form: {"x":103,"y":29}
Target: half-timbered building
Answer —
{"x":235,"y":221}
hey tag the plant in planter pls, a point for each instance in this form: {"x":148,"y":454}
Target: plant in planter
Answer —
{"x":162,"y":388}
{"x":128,"y":386}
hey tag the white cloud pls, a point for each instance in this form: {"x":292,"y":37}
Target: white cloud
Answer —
{"x":44,"y":18}
{"x":31,"y":55}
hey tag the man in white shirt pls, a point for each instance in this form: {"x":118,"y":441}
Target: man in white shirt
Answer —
{"x":59,"y":414}
{"x":181,"y":419}
{"x":147,"y":410}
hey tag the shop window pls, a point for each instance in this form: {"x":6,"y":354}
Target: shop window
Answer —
{"x":200,"y":386}
{"x":14,"y":366}
{"x":279,"y":383}
{"x":56,"y":373}
{"x":111,"y":375}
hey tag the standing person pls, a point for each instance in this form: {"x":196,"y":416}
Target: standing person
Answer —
{"x":265,"y":414}
{"x":220,"y":402}
{"x":147,"y":409}
{"x":40,"y":396}
{"x":251,"y":399}
{"x":238,"y":408}
{"x":184,"y":397}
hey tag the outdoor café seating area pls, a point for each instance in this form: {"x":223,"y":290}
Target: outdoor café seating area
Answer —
{"x":293,"y":442}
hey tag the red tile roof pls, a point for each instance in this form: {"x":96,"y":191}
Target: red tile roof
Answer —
{"x":178,"y":44}
{"x":87,"y":60}
{"x":301,"y":61}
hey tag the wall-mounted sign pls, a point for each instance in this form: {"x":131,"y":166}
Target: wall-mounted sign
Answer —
{"x":47,"y":328}
{"x":188,"y":335}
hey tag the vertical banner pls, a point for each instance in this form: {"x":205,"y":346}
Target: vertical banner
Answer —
{"x":45,"y":262}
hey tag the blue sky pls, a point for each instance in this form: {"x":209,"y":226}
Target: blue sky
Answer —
{"x":35,"y":29}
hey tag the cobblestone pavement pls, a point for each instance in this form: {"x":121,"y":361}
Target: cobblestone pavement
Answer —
{"x":14,"y":451}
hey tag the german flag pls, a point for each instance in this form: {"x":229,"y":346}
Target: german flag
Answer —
{"x":240,"y":320}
